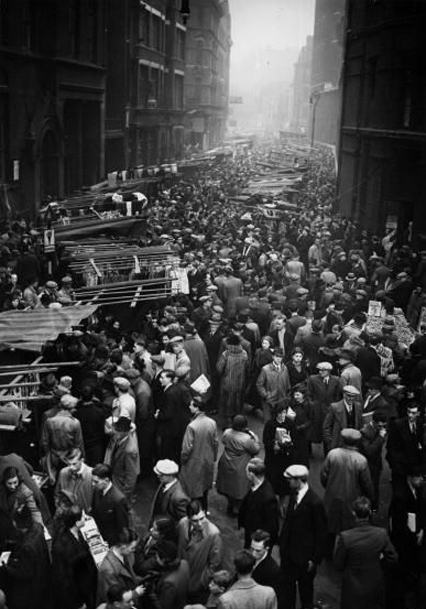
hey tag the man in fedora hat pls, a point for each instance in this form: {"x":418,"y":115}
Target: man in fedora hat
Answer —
{"x":323,"y":389}
{"x":346,"y":413}
{"x":273,"y":383}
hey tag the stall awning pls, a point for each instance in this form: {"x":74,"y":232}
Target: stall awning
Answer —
{"x":31,"y":329}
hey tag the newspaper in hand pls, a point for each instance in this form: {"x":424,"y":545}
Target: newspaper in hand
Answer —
{"x":201,"y":384}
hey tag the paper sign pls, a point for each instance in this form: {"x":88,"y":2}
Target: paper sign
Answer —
{"x":411,"y":522}
{"x":201,"y":384}
{"x":374,"y":308}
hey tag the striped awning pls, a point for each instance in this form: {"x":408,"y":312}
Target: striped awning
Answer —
{"x":31,"y":329}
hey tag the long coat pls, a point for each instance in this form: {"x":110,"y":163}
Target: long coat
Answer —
{"x":171,"y":502}
{"x":259,"y":510}
{"x":303,"y":533}
{"x":345,"y":475}
{"x":336,"y":419}
{"x":358,"y":554}
{"x":202,"y":550}
{"x":111,"y":513}
{"x":321,"y":396}
{"x":123,"y":456}
{"x":27,"y":571}
{"x":113,"y":572}
{"x":199,"y":453}
{"x":239,"y":448}
{"x":74,"y":572}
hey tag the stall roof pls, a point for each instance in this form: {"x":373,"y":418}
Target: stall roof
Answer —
{"x":31,"y":329}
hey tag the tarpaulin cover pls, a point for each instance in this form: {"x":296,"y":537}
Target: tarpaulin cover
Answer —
{"x":31,"y":329}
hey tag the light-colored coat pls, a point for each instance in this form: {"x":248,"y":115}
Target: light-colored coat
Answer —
{"x":123,"y":457}
{"x":199,"y":453}
{"x":345,"y":475}
{"x":248,"y":594}
{"x":239,"y":448}
{"x":202,"y":550}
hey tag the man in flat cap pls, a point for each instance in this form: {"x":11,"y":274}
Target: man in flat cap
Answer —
{"x":60,"y":435}
{"x":66,"y":294}
{"x":123,"y":405}
{"x":201,"y":315}
{"x":122,"y":455}
{"x":183,"y":363}
{"x":170,"y":498}
{"x":302,"y":538}
{"x":323,"y":389}
{"x":350,"y":374}
{"x":342,"y":415}
{"x":345,"y":475}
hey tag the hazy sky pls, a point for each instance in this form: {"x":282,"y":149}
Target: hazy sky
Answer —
{"x":278,"y":24}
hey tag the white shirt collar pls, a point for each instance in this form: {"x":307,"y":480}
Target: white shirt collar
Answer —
{"x":301,"y":493}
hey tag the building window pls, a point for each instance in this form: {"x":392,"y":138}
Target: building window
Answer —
{"x":371,"y":74}
{"x":143,"y":86}
{"x":411,"y":113}
{"x":199,"y":53}
{"x":2,"y":140}
{"x":144,"y":27}
{"x":197,"y":90}
{"x":178,"y":92}
{"x":74,"y":27}
{"x":180,"y":44}
{"x":157,"y":33}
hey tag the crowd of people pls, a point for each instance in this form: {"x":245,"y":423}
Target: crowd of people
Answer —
{"x":276,"y":324}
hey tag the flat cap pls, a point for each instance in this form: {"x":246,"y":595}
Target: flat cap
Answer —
{"x":177,"y":339}
{"x":122,"y":383}
{"x":217,"y":309}
{"x":212,"y":288}
{"x":350,"y":390}
{"x":51,"y":285}
{"x":324,"y":366}
{"x":69,"y":401}
{"x":297,"y":472}
{"x":166,"y":467}
{"x":66,"y":279}
{"x":204,"y":298}
{"x":302,"y":291}
{"x":278,"y":351}
{"x":351,"y":435}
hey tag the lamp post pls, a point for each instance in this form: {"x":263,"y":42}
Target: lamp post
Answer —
{"x":313,"y":100}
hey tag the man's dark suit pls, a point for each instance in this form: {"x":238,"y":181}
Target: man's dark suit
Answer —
{"x":173,"y":417}
{"x":321,"y":395}
{"x":404,"y":449}
{"x":288,"y":340}
{"x":111,"y":513}
{"x":268,"y":573}
{"x":259,"y":510}
{"x":302,"y":539}
{"x":171,"y":502}
{"x":368,"y":362}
